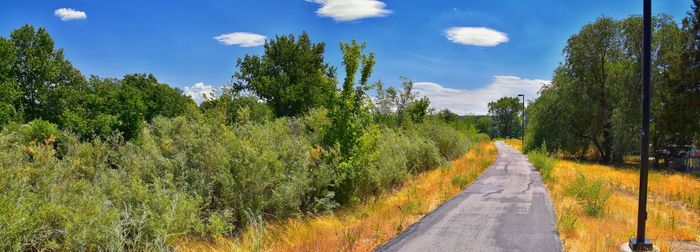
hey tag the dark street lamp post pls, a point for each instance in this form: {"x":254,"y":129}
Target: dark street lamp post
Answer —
{"x":523,"y":129}
{"x":641,"y":243}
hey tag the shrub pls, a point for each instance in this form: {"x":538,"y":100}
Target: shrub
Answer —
{"x":542,"y":162}
{"x":450,"y":142}
{"x":185,"y":176}
{"x":592,"y":196}
{"x":568,"y":219}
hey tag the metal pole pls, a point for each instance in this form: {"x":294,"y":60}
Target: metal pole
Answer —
{"x":641,"y":243}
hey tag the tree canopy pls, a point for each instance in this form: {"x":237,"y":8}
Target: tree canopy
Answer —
{"x":291,"y":76}
{"x":505,"y":117}
{"x":593,"y":100}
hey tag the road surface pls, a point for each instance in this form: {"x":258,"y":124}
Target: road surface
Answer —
{"x":506,"y":209}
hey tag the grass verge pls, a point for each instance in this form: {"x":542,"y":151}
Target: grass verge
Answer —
{"x":596,"y":206}
{"x":365,"y":226}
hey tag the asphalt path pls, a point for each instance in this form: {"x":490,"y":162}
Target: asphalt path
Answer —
{"x":506,"y":209}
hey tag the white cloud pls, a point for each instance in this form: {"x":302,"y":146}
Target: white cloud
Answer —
{"x":475,"y":101}
{"x":67,"y":14}
{"x":349,"y":10}
{"x":477,"y":36}
{"x":243,"y":39}
{"x":201,"y":92}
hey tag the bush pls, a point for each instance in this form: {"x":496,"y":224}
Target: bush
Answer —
{"x":592,"y":196}
{"x":450,"y":142}
{"x":542,"y":162}
{"x":184,"y":177}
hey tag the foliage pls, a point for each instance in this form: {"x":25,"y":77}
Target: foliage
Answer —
{"x":37,"y":82}
{"x":186,"y":177}
{"x":291,"y":76}
{"x":593,"y":99}
{"x":41,"y":72}
{"x":133,"y":164}
{"x":542,"y":161}
{"x":592,"y":196}
{"x":505,"y":117}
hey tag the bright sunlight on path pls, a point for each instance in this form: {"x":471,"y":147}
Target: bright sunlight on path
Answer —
{"x":506,"y":209}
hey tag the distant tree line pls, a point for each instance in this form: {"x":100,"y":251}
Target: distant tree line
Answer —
{"x":594,"y":99}
{"x":38,"y":83}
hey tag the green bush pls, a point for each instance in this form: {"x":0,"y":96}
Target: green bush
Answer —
{"x":592,"y":196}
{"x":542,"y":162}
{"x":185,"y":177}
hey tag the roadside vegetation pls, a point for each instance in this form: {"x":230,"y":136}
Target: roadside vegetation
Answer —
{"x":586,"y":122}
{"x":591,"y":109}
{"x":133,"y":164}
{"x":596,"y":206}
{"x":365,"y":226}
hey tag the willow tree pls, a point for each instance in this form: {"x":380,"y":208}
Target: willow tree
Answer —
{"x":593,"y":100}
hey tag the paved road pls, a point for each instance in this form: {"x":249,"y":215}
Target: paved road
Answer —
{"x":506,"y":209}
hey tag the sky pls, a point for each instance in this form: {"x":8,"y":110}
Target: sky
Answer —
{"x":461,"y":54}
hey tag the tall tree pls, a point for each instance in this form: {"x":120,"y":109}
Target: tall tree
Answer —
{"x":9,"y":91}
{"x":41,"y":72}
{"x":350,"y":112}
{"x":593,"y":100}
{"x":291,"y":76}
{"x":505,"y":115}
{"x":691,"y":51}
{"x":160,"y":99}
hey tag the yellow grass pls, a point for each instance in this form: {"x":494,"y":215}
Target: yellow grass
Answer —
{"x":365,"y":226}
{"x":515,"y":143}
{"x":673,"y":210}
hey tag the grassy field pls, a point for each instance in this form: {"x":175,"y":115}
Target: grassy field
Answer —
{"x":596,"y":206}
{"x":365,"y":226}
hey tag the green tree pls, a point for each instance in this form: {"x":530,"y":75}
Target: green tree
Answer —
{"x":160,"y":99}
{"x":291,"y":76}
{"x":41,"y":72}
{"x":350,"y":112}
{"x":448,"y":116}
{"x":505,"y":116}
{"x":238,"y":108}
{"x":9,"y":91}
{"x":593,"y":100}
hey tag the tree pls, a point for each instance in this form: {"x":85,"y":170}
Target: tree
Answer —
{"x":350,"y":118}
{"x":291,"y":76}
{"x":238,"y":108}
{"x":690,"y":65}
{"x":350,"y":112}
{"x":593,"y":100}
{"x":103,"y":106}
{"x":505,"y":116}
{"x":418,"y":110}
{"x":9,"y":91}
{"x":408,"y":108}
{"x":385,"y":102}
{"x":160,"y":99}
{"x":484,"y":124}
{"x":447,"y":116}
{"x":41,"y":72}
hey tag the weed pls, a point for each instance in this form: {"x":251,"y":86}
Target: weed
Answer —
{"x":592,"y":196}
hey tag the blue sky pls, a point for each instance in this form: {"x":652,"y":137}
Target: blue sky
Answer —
{"x":462,"y":54}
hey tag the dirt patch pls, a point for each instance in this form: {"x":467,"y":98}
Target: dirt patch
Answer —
{"x":684,"y":246}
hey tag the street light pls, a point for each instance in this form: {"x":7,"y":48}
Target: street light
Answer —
{"x":641,"y":242}
{"x":523,"y":116}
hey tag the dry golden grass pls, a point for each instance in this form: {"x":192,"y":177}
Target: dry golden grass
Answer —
{"x":515,"y":143}
{"x":365,"y":226}
{"x":673,"y":209}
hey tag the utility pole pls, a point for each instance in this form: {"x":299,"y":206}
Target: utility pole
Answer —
{"x":641,"y":242}
{"x":523,"y":129}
